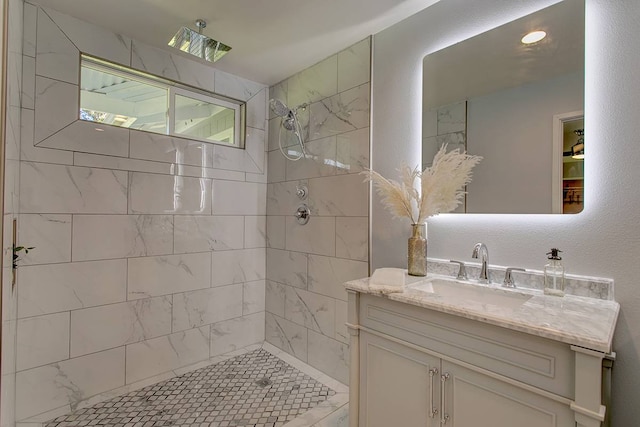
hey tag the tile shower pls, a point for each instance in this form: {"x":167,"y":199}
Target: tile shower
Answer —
{"x":306,"y":305}
{"x":126,"y":287}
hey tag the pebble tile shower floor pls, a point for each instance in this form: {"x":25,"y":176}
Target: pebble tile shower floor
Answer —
{"x":254,"y":389}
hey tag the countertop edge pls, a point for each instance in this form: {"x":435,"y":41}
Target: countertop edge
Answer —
{"x":604,"y":346}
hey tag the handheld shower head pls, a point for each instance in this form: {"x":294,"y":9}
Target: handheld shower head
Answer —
{"x":279,"y":108}
{"x":289,"y":121}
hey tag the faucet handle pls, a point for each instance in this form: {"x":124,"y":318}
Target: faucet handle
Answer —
{"x":508,"y":279}
{"x":462,"y":271}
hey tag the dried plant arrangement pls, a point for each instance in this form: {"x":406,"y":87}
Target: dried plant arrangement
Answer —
{"x":440,"y":186}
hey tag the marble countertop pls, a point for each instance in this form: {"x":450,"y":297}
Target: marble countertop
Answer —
{"x":575,"y":320}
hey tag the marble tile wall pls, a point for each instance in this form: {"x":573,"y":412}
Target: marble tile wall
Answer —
{"x":443,"y":125}
{"x":11,"y":210}
{"x":150,"y":250}
{"x":306,"y":265}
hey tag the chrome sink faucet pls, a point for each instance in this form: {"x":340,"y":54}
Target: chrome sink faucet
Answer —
{"x":480,"y":249}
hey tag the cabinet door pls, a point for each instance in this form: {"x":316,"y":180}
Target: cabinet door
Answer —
{"x":473,"y":399}
{"x":395,"y":385}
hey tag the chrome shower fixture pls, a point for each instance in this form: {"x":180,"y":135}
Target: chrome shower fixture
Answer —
{"x":289,"y":121}
{"x":197,"y":44}
{"x":279,"y":108}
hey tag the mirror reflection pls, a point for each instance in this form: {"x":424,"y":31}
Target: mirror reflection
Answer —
{"x":517,"y":103}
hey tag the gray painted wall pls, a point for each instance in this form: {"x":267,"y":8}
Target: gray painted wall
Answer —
{"x":603,"y":240}
{"x":513,"y":130}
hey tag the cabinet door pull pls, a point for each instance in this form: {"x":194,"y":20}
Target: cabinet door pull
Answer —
{"x":445,"y":416}
{"x":433,"y":410}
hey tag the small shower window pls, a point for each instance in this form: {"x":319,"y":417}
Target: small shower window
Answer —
{"x":115,"y":95}
{"x":196,"y":117}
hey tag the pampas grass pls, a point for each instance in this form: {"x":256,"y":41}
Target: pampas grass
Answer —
{"x":441,"y":186}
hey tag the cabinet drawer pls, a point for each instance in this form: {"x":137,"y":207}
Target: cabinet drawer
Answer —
{"x":530,"y":359}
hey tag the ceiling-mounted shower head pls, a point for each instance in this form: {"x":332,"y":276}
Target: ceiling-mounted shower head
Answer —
{"x":197,"y":44}
{"x":279,"y":108}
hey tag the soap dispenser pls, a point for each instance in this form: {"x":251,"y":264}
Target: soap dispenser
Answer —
{"x":554,"y":274}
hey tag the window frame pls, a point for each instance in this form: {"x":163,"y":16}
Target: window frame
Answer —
{"x":172,"y":88}
{"x":175,"y":90}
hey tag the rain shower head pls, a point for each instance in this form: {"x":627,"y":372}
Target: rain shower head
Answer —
{"x":197,"y":44}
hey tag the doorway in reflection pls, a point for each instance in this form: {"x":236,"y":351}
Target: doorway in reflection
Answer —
{"x":573,"y":166}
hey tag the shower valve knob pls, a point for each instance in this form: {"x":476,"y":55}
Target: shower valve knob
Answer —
{"x":303,"y":214}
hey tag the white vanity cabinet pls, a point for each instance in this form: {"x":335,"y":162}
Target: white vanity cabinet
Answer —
{"x":405,"y":394}
{"x":413,"y":366}
{"x":407,"y":387}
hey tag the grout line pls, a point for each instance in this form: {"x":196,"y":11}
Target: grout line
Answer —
{"x":69,"y":357}
{"x":71,"y":240}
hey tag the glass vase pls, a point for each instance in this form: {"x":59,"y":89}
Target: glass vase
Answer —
{"x":417,"y":264}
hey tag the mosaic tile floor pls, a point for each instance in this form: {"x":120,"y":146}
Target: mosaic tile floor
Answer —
{"x":254,"y":389}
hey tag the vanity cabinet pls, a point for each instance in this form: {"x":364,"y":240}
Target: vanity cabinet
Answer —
{"x":398,"y":384}
{"x":404,"y":386}
{"x":412,"y":366}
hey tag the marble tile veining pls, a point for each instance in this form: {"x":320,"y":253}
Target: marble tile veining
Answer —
{"x":352,"y":238}
{"x":158,"y":62}
{"x":42,"y":340}
{"x":316,"y":312}
{"x":314,"y":83}
{"x":208,"y":233}
{"x":121,"y":236}
{"x":87,"y":137}
{"x":230,"y":335}
{"x":341,"y":195}
{"x":166,"y":353}
{"x":585,"y":322}
{"x":53,"y":288}
{"x":111,"y":46}
{"x":57,"y":55}
{"x":99,"y":328}
{"x":343,"y":112}
{"x":125,"y":285}
{"x":584,"y":286}
{"x":165,"y":275}
{"x":287,"y":336}
{"x":329,"y":356}
{"x":47,"y":188}
{"x":50,"y":235}
{"x":203,"y":307}
{"x":352,"y":155}
{"x":167,"y":194}
{"x":68,"y":382}
{"x":289,"y":268}
{"x":246,"y":265}
{"x":50,"y":94}
{"x":318,"y":236}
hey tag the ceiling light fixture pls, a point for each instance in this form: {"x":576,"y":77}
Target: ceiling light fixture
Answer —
{"x":578,"y":148}
{"x":197,"y":44}
{"x":533,"y":37}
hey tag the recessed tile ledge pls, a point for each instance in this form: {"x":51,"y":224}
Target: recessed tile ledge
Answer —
{"x":573,"y":319}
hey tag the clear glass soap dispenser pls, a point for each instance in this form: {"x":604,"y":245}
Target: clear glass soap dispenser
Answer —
{"x":554,"y":274}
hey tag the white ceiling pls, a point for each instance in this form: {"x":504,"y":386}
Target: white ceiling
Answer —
{"x":497,"y":60}
{"x":271,"y":40}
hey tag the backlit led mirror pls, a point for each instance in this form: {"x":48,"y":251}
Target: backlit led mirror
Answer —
{"x":520,"y":106}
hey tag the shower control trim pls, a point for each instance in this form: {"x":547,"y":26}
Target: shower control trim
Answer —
{"x":303,"y":214}
{"x":302,"y":192}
